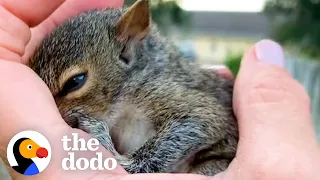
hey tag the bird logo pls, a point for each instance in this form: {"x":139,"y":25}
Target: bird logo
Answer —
{"x":29,"y":153}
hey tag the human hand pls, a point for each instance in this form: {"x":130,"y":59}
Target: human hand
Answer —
{"x":26,"y":103}
{"x":277,"y":140}
{"x":23,"y":24}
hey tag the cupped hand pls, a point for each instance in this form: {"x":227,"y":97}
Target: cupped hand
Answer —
{"x":277,"y":140}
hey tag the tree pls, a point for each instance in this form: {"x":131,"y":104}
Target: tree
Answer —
{"x":167,"y":13}
{"x":296,"y":22}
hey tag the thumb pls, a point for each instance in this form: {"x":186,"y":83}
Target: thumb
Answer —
{"x":268,"y":99}
{"x":274,"y":118}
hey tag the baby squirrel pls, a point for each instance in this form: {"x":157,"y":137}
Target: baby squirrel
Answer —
{"x":114,"y":76}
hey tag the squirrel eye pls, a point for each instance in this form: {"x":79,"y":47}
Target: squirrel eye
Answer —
{"x":74,"y":83}
{"x":123,"y":56}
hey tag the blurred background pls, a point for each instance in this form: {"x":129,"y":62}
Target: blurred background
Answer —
{"x":217,"y":32}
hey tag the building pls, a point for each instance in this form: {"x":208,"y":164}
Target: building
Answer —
{"x":216,"y":34}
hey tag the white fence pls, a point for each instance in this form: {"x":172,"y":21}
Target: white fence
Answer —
{"x":308,"y":74}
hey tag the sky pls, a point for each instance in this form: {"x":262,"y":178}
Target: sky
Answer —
{"x":223,"y":5}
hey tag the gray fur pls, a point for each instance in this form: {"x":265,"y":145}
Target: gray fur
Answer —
{"x":189,"y":108}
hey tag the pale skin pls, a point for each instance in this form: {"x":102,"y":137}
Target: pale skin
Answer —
{"x":277,"y":140}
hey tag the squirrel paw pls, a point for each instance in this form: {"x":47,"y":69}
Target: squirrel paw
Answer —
{"x":99,"y":130}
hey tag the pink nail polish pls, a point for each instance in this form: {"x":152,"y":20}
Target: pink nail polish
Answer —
{"x":269,"y":52}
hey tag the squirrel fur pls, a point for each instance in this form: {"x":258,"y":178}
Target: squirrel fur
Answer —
{"x":113,"y":75}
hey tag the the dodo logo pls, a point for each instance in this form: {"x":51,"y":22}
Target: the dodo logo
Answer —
{"x":29,"y":153}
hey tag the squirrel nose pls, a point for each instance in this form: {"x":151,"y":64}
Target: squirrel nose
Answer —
{"x":42,"y":152}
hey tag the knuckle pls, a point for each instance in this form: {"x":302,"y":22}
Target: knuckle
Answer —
{"x":275,"y":85}
{"x":14,"y":33}
{"x":13,"y":44}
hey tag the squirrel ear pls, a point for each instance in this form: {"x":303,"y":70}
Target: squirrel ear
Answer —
{"x":135,"y":22}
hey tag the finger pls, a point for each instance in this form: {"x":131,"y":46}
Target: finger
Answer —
{"x":31,"y":12}
{"x":27,"y":104}
{"x":15,"y":18}
{"x":67,"y":10}
{"x":14,"y":33}
{"x":267,"y":96}
{"x":220,"y":69}
{"x":273,"y":112}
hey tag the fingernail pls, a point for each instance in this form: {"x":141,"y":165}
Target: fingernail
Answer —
{"x":269,"y":52}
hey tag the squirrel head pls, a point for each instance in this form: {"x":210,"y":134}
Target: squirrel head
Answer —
{"x":85,"y":61}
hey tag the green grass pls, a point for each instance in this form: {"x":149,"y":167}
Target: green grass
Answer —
{"x":232,"y":62}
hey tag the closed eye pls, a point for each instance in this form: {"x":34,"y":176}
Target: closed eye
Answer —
{"x":74,"y":83}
